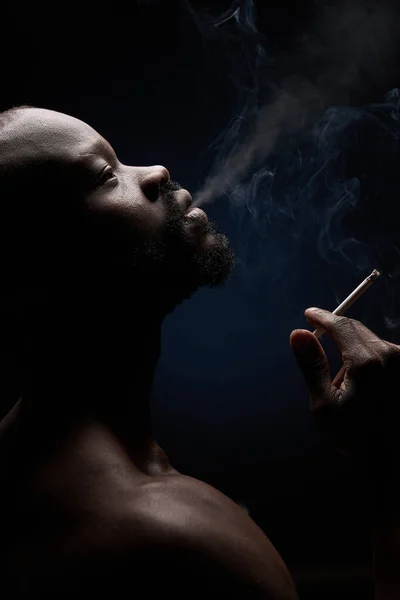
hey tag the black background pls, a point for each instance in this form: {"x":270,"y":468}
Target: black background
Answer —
{"x":230,"y":406}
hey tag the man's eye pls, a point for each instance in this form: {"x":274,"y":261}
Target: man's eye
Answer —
{"x":106,"y":175}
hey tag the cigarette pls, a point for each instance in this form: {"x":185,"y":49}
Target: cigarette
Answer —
{"x":359,"y":291}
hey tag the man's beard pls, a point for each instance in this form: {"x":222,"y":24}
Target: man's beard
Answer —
{"x":185,"y":257}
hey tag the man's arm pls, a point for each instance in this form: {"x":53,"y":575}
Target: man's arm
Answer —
{"x":194,"y":561}
{"x":359,"y":413}
{"x":195,"y":573}
{"x":387,"y":558}
{"x":385,"y":485}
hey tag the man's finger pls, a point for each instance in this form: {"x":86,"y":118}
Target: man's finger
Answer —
{"x":338,"y":380}
{"x":347,"y":333}
{"x":311,"y":358}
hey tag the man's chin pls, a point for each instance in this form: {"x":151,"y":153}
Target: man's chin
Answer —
{"x":192,"y":255}
{"x":215,"y":260}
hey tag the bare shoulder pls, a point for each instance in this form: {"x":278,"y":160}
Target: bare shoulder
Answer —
{"x":204,"y":535}
{"x":171,"y":534}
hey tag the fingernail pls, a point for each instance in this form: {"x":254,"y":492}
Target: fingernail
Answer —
{"x":313,"y":309}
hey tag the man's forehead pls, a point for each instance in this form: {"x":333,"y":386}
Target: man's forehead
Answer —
{"x":97,"y":146}
{"x":40,"y":134}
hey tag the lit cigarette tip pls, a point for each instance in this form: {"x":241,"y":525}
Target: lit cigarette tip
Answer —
{"x":374,"y":275}
{"x":351,"y":298}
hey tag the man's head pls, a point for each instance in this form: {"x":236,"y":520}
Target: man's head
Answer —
{"x":74,"y":218}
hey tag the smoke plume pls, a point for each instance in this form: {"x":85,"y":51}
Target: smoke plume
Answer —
{"x":305,"y":172}
{"x":346,"y":49}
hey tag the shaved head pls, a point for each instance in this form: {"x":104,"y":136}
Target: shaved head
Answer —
{"x":73,"y":213}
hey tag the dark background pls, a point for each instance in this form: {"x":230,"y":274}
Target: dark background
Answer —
{"x":163,"y":83}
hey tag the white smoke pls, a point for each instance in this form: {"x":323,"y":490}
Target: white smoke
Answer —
{"x":346,"y":49}
{"x":287,"y":114}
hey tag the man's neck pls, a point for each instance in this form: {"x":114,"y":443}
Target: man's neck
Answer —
{"x":95,"y":365}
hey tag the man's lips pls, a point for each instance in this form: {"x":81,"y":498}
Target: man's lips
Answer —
{"x":197,"y":214}
{"x":184,"y":199}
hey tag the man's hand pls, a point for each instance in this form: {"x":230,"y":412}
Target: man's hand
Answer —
{"x":359,"y":411}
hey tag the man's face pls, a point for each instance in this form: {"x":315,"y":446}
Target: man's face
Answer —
{"x":137,"y":219}
{"x":149,"y":217}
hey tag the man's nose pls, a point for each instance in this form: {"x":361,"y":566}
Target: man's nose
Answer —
{"x":152,"y":179}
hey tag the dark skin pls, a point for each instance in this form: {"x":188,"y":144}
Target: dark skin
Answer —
{"x":358,"y":413}
{"x":92,"y":501}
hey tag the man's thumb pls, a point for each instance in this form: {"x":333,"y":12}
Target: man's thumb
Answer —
{"x":311,"y":358}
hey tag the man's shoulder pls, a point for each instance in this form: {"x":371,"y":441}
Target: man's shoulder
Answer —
{"x":170,"y":534}
{"x":180,"y":505}
{"x":180,"y":509}
{"x":188,"y":527}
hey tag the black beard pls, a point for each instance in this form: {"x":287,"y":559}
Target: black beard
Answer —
{"x":177,"y":263}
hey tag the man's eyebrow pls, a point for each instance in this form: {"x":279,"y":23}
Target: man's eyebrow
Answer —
{"x":100,"y":146}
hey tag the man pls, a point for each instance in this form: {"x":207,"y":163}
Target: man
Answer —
{"x":96,"y":253}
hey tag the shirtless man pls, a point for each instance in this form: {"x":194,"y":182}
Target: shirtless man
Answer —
{"x":97,"y":253}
